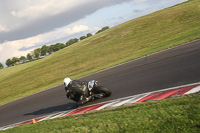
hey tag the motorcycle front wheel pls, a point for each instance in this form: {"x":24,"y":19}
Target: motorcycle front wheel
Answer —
{"x":102,"y":90}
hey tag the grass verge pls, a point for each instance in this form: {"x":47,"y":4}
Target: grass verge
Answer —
{"x":127,"y":41}
{"x":179,"y":114}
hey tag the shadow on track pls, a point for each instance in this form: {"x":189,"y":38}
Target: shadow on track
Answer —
{"x":54,"y":109}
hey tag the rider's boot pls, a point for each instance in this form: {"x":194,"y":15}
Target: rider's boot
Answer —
{"x":83,"y":100}
{"x":88,"y":98}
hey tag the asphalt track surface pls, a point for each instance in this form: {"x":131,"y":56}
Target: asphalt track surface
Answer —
{"x":169,"y":68}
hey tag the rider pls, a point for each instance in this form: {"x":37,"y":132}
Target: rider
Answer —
{"x":79,"y":87}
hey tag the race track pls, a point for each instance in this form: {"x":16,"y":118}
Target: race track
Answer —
{"x":169,"y":68}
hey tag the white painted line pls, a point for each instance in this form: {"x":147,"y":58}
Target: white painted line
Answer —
{"x":131,"y":100}
{"x":56,"y":115}
{"x":177,"y":87}
{"x":10,"y":126}
{"x":48,"y":117}
{"x":122,"y":103}
{"x":182,"y":86}
{"x":139,"y":97}
{"x":59,"y":115}
{"x":106,"y":105}
{"x":194,"y":90}
{"x":5,"y":128}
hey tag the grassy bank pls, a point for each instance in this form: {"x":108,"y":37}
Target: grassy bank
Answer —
{"x":180,"y":114}
{"x":127,"y":41}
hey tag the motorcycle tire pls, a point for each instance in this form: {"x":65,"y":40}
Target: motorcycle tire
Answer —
{"x":102,"y":90}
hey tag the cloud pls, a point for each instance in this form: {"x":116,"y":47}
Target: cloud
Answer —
{"x":75,"y":29}
{"x":26,"y":18}
{"x":45,"y":8}
{"x":137,"y":11}
{"x":1,"y":47}
{"x":53,"y":36}
{"x":17,"y":48}
{"x":2,"y":28}
{"x":8,"y":49}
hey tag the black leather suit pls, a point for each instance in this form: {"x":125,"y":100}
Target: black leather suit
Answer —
{"x":78,"y":91}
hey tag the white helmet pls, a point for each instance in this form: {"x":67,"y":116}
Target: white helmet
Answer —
{"x":67,"y":81}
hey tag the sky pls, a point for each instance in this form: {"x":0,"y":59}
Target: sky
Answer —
{"x":28,"y":24}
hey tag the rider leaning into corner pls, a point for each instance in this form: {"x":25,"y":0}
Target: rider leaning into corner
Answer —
{"x":78,"y":86}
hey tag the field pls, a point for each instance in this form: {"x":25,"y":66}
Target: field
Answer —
{"x":179,"y":114}
{"x":127,"y":41}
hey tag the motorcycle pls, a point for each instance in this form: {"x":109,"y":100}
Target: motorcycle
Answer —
{"x":88,"y":89}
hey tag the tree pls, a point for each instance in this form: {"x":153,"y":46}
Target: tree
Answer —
{"x":82,"y":37}
{"x":36,"y":55}
{"x":68,"y":43}
{"x":15,"y":60}
{"x":1,"y":65}
{"x":22,"y":58}
{"x":49,"y":51}
{"x":38,"y":50}
{"x":75,"y":40}
{"x":61,"y":45}
{"x":29,"y":57}
{"x":9,"y":62}
{"x":52,"y":48}
{"x":103,"y":29}
{"x":71,"y":41}
{"x":89,"y":35}
{"x":57,"y":47}
{"x":44,"y":50}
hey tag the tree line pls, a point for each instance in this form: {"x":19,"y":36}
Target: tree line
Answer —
{"x":45,"y":51}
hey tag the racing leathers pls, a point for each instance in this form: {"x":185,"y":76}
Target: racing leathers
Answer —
{"x":78,"y":91}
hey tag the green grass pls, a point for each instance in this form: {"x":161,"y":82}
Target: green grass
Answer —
{"x":127,"y":41}
{"x":180,"y":114}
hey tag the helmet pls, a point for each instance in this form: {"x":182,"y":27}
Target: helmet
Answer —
{"x":67,"y":81}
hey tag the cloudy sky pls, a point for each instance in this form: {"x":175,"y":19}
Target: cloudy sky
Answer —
{"x":28,"y":24}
